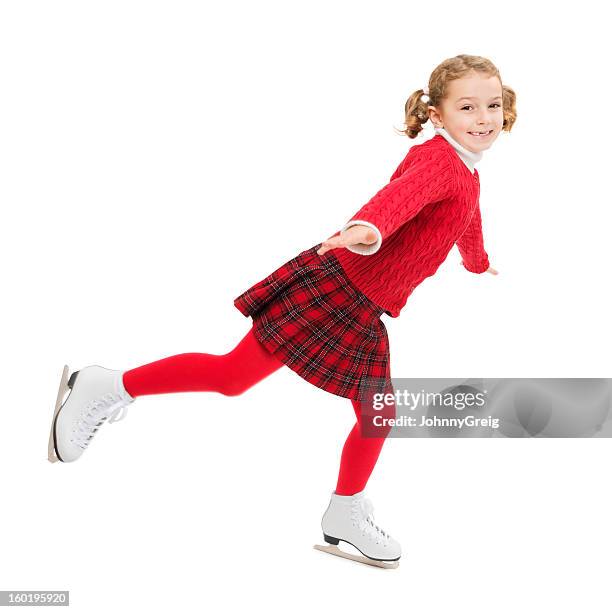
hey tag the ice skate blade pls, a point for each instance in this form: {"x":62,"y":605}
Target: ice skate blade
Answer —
{"x":332,"y":549}
{"x":63,"y":388}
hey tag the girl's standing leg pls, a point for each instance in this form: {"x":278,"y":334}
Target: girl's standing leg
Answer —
{"x":230,"y":374}
{"x":359,"y":455}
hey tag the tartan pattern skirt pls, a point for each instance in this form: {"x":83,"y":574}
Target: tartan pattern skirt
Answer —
{"x":310,"y":316}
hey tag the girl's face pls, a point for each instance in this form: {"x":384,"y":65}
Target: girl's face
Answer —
{"x":473,"y":104}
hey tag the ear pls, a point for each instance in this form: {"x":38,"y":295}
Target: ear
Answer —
{"x":434,"y":115}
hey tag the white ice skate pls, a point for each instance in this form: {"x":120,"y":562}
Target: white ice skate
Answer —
{"x":350,"y":518}
{"x":96,"y":394}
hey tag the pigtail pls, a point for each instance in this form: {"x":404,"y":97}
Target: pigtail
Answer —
{"x":416,"y":114}
{"x":509,"y":106}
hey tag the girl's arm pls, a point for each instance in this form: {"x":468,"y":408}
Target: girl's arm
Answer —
{"x":428,"y":178}
{"x":471,"y":245}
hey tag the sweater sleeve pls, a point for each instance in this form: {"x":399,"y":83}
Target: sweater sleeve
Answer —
{"x":471,"y":245}
{"x":428,"y":178}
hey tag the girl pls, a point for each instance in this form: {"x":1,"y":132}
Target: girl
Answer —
{"x":319,"y":313}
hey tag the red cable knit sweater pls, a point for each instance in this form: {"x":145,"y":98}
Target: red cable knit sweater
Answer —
{"x":429,"y":204}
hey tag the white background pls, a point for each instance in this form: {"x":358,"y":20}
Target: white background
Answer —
{"x":157,"y":159}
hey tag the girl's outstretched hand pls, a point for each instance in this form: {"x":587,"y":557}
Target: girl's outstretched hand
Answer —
{"x":356,"y":234}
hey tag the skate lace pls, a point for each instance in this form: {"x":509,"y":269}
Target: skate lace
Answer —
{"x":363,"y":514}
{"x":109,"y":407}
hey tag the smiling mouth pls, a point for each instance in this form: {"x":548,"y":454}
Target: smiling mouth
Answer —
{"x":481,"y":134}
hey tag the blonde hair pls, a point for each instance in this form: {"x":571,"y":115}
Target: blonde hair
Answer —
{"x":416,"y":110}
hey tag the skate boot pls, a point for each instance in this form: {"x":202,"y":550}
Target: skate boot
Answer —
{"x":349,"y":518}
{"x":96,"y":395}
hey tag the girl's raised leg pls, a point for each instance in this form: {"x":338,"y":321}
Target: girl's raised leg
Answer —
{"x":231,"y":374}
{"x":96,"y":394}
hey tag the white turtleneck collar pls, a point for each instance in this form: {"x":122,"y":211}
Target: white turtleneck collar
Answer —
{"x":469,"y":158}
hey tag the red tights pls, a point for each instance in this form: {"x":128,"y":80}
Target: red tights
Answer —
{"x":234,"y":373}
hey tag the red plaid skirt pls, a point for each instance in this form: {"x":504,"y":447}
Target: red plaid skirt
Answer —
{"x":309,"y":315}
